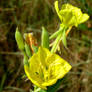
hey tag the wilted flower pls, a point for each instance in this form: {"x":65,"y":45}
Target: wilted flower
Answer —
{"x":45,"y":68}
{"x":70,"y":15}
{"x":30,"y":40}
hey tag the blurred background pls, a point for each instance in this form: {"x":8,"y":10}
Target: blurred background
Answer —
{"x":30,"y":16}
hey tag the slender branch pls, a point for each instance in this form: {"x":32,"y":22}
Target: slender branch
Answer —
{"x":53,"y":50}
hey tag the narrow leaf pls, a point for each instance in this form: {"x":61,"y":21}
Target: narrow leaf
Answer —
{"x":35,"y":49}
{"x":25,"y":60}
{"x":55,"y":87}
{"x":28,"y":50}
{"x":45,"y":38}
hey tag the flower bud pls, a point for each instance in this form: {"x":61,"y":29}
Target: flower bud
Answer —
{"x":19,"y":40}
{"x":45,"y":38}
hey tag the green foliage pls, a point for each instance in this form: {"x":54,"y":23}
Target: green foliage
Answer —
{"x":25,"y":60}
{"x":55,"y":87}
{"x":45,"y":38}
{"x":35,"y":48}
{"x":28,"y":50}
{"x":83,"y":27}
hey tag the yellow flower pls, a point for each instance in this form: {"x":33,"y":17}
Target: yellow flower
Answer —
{"x":70,"y":15}
{"x":45,"y":68}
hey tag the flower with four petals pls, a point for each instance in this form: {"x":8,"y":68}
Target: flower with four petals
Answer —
{"x":45,"y":68}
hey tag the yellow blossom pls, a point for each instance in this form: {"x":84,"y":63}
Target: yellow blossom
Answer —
{"x":45,"y":68}
{"x":70,"y":15}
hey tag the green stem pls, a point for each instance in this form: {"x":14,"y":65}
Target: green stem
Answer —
{"x":54,"y":35}
{"x":25,"y":58}
{"x":53,"y":50}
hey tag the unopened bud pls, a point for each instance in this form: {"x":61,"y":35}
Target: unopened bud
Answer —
{"x":19,"y":40}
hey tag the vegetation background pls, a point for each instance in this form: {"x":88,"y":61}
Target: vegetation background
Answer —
{"x":30,"y":16}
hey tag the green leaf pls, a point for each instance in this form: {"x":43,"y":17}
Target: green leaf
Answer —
{"x":25,"y":59}
{"x":39,"y":90}
{"x":83,"y":27}
{"x":42,"y":90}
{"x":28,"y":50}
{"x":64,"y":38}
{"x":45,"y":38}
{"x":35,"y":49}
{"x":55,"y":87}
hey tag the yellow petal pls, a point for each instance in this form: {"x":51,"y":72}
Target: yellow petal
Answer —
{"x":50,"y":82}
{"x":43,"y":53}
{"x":34,"y":70}
{"x":57,"y":10}
{"x":59,"y":67}
{"x":32,"y":78}
{"x":84,"y":18}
